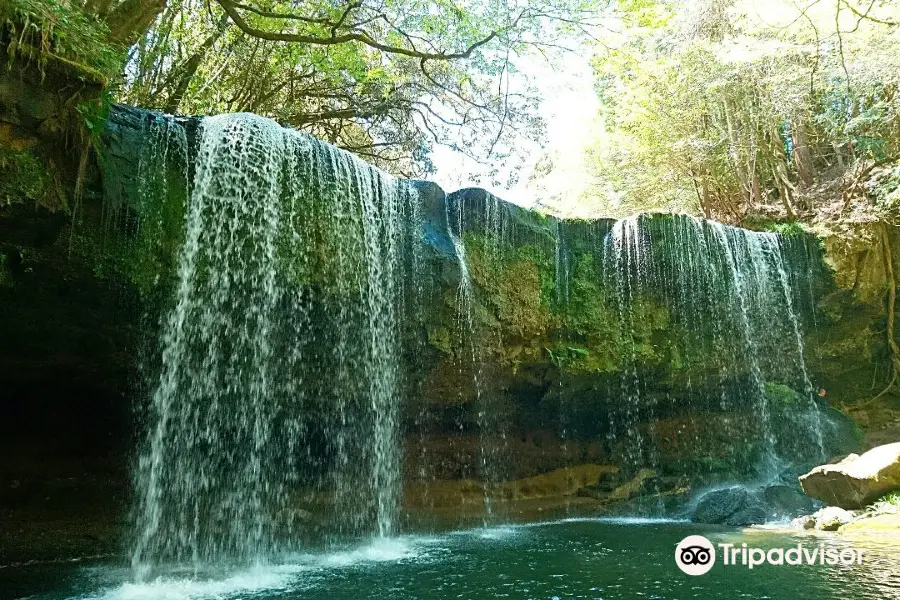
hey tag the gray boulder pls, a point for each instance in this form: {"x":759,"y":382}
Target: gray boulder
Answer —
{"x":831,"y":518}
{"x":788,"y":501}
{"x":856,"y":481}
{"x":717,"y":506}
{"x":749,"y":515}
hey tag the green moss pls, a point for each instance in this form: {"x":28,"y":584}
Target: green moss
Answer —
{"x":516,"y":283}
{"x":138,"y":235}
{"x":587,"y":312}
{"x":592,"y":357}
{"x":589,"y":318}
{"x":782,"y":394}
{"x":649,"y":318}
{"x":22,"y":177}
{"x":582,"y":335}
{"x":440,"y":338}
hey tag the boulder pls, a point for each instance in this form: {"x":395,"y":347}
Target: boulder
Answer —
{"x":609,"y":481}
{"x":855,"y":481}
{"x":831,"y":518}
{"x":749,"y":515}
{"x":788,"y":501}
{"x":666,"y":484}
{"x":804,"y":522}
{"x":717,"y":506}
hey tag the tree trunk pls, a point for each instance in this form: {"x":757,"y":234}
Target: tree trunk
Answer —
{"x":779,"y":170}
{"x":734,"y":151}
{"x":132,"y":18}
{"x":755,"y":189}
{"x":839,"y":155}
{"x":802,"y":155}
{"x":190,"y":68}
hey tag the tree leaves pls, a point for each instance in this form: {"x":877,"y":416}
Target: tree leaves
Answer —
{"x":735,"y":107}
{"x":387,"y":79}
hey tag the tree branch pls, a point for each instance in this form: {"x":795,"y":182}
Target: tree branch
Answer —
{"x":234,"y":14}
{"x":866,"y":15}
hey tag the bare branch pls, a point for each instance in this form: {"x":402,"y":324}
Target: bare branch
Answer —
{"x":866,"y":15}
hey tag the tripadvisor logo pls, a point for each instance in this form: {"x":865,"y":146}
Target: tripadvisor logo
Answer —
{"x":695,"y":555}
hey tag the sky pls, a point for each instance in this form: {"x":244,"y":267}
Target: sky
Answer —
{"x":569,"y":107}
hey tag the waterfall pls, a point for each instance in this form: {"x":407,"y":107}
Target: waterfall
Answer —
{"x":469,"y":338}
{"x":724,"y":298}
{"x":308,"y":346}
{"x":466,"y":326}
{"x":628,"y":263}
{"x":280,"y":355}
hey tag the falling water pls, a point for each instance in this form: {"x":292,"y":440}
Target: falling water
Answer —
{"x":492,"y":419}
{"x":726,"y":298}
{"x":561,"y":274}
{"x":777,"y":252}
{"x":742,"y":292}
{"x":301,"y":280}
{"x":465,"y":302}
{"x":290,"y":276}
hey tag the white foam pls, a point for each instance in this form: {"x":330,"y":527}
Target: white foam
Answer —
{"x":176,"y":588}
{"x":263,"y":578}
{"x":614,"y":521}
{"x":379,"y":550}
{"x":497,"y":533}
{"x":640,"y":520}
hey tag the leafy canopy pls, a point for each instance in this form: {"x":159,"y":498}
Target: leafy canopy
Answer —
{"x":387,"y":79}
{"x":737,"y":109}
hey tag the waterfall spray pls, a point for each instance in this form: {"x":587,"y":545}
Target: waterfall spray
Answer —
{"x":260,"y":289}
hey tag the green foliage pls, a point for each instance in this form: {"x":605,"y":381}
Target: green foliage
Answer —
{"x":59,"y":30}
{"x":23,"y":177}
{"x":4,"y":270}
{"x":791,"y":228}
{"x":732,"y":109}
{"x":884,"y":188}
{"x":389,"y":92}
{"x":566,"y":357}
{"x":93,"y":114}
{"x":893,"y":498}
{"x":889,"y":503}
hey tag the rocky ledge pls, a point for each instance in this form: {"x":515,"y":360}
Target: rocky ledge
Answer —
{"x":862,"y":493}
{"x":857,"y":480}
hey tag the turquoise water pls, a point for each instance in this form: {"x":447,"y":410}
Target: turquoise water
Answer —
{"x":577,"y":558}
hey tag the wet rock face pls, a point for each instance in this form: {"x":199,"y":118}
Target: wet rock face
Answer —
{"x":723,"y":506}
{"x":68,"y":377}
{"x":559,"y":349}
{"x":624,"y":361}
{"x":739,"y":506}
{"x":554,"y":353}
{"x":856,"y":480}
{"x":787,"y":501}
